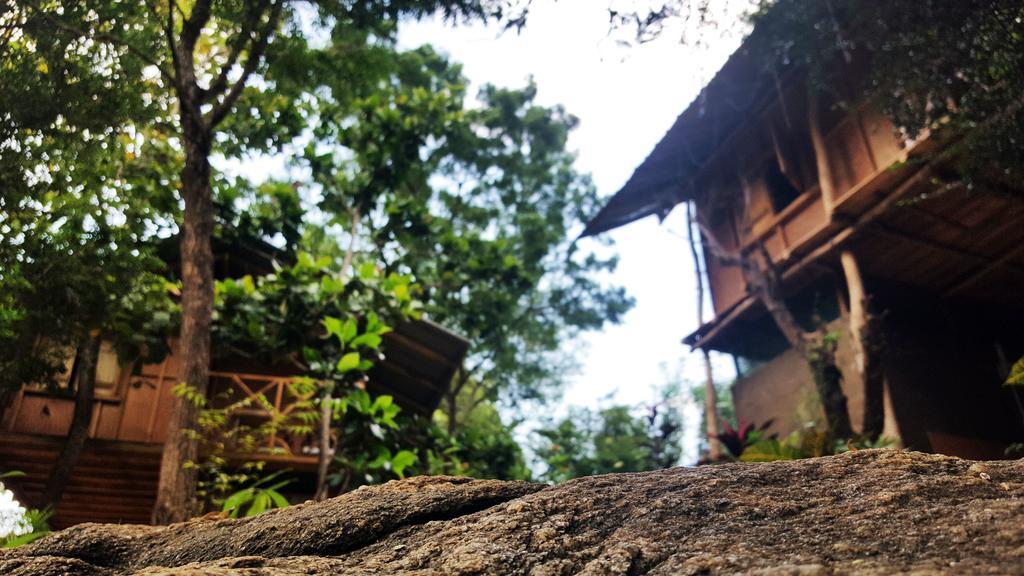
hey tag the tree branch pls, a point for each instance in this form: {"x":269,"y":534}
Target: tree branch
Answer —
{"x":192,"y":27}
{"x":218,"y":86}
{"x":255,"y":55}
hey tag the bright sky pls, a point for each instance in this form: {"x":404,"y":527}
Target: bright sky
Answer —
{"x":626,"y":99}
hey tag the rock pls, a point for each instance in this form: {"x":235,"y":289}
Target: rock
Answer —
{"x":864,"y":512}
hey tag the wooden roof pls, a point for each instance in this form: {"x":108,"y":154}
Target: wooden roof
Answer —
{"x":420,"y":358}
{"x":664,"y":178}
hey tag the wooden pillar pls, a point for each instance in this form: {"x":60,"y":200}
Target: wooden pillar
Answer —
{"x":858,"y":313}
{"x":710,"y":394}
{"x":867,"y":351}
{"x":711,"y":410}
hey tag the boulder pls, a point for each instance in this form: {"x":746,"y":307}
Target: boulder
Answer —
{"x":863,"y":512}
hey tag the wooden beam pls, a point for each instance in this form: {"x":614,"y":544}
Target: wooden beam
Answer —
{"x":844,"y":236}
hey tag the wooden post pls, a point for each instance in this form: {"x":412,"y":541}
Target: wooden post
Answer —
{"x":710,"y":394}
{"x":866,"y":348}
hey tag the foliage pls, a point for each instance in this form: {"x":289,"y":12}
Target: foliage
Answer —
{"x":808,"y":442}
{"x":477,"y":203}
{"x":312,"y":316}
{"x":585,"y":443}
{"x":371,"y":446}
{"x":483,"y":445}
{"x":1016,"y":376}
{"x":257,"y":498}
{"x":223,"y":435}
{"x":738,"y":440}
{"x":71,"y":145}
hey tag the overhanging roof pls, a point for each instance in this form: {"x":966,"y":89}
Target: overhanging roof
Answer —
{"x":420,"y":358}
{"x":664,"y":178}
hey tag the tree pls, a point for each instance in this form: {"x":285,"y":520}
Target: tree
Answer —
{"x":76,"y":259}
{"x":477,"y":204}
{"x":585,"y":443}
{"x":204,"y":56}
{"x":484,"y":445}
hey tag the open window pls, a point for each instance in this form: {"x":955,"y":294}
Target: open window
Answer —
{"x":781,"y":190}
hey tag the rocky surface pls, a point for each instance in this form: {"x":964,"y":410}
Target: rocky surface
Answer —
{"x":865,"y":512}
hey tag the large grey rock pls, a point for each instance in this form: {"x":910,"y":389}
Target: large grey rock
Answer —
{"x":865,"y":512}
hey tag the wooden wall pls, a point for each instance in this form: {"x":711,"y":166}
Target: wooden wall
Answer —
{"x":136,"y":410}
{"x":862,"y":146}
{"x":113,"y":481}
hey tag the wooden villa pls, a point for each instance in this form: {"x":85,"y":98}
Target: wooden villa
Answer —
{"x":116,"y":478}
{"x":860,"y":224}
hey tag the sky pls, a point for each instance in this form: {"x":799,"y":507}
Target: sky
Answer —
{"x":626,"y":99}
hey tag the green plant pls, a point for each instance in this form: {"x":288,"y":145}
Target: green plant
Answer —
{"x":1016,"y":376}
{"x":738,"y":440}
{"x":258,"y":497}
{"x":809,"y":442}
{"x":19,"y":526}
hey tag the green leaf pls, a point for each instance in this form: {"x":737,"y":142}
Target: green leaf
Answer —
{"x":234,"y":502}
{"x":279,"y":500}
{"x":367,"y":340}
{"x":332,"y":286}
{"x":382,"y":460}
{"x":402,"y":292}
{"x":348,"y":362}
{"x":382,"y":402}
{"x":333,"y":326}
{"x":368,"y":270}
{"x":401,"y":461}
{"x":259,"y":504}
{"x":349,"y":331}
{"x":25,"y":539}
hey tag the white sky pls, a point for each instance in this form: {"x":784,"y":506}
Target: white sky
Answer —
{"x":626,"y":99}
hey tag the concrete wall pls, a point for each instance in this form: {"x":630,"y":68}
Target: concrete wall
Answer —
{"x":781,"y":390}
{"x":944,"y":364}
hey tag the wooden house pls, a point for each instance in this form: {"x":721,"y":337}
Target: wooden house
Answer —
{"x":116,"y":478}
{"x":850,"y":214}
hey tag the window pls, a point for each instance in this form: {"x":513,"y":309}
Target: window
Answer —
{"x":781,"y":191}
{"x":107,"y":370}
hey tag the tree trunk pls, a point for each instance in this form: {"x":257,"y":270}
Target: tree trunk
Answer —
{"x":817,"y":349}
{"x":176,"y":493}
{"x":88,"y":355}
{"x":451,"y":399}
{"x":867,"y":348}
{"x":323,"y":461}
{"x":711,"y":410}
{"x":7,"y":395}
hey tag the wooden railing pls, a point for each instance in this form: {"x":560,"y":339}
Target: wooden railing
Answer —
{"x":139,"y":410}
{"x":265,"y":399}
